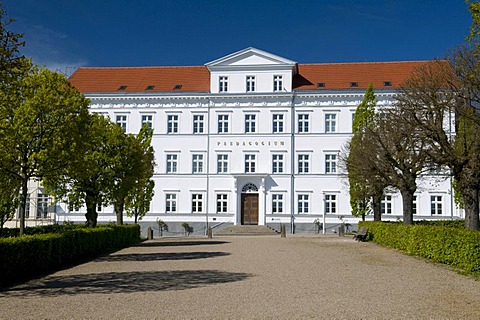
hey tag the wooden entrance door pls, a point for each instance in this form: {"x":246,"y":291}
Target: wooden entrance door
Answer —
{"x":249,"y":208}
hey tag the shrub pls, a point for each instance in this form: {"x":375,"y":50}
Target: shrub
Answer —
{"x":456,"y":247}
{"x":33,"y":255}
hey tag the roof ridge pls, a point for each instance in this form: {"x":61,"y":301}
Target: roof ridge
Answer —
{"x":363,"y":62}
{"x":143,"y":67}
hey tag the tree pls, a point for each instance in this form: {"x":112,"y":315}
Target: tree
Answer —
{"x":8,"y":199}
{"x":434,"y":96}
{"x":41,"y":127}
{"x":88,"y":179}
{"x":365,"y":185}
{"x":133,"y":165}
{"x":12,"y":64}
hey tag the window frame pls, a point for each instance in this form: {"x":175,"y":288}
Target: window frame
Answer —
{"x":197,"y":163}
{"x":277,"y":203}
{"x":197,"y":202}
{"x":331,"y":164}
{"x":436,"y":205}
{"x":223,"y":123}
{"x":198,"y":122}
{"x":303,"y":123}
{"x":222,"y":163}
{"x":277,"y":163}
{"x":250,"y":123}
{"x":122,"y":120}
{"x":330,"y":122}
{"x":221,"y":201}
{"x":250,"y":83}
{"x":303,"y":203}
{"x":303,"y":163}
{"x":277,"y":83}
{"x":172,"y":123}
{"x":222,"y":84}
{"x":171,"y":202}
{"x":331,"y":203}
{"x":149,"y":122}
{"x":171,"y":163}
{"x":250,"y":162}
{"x":278,"y":123}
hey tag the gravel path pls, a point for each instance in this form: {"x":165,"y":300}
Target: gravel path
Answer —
{"x":248,"y":278}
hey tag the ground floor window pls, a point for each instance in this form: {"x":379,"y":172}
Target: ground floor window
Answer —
{"x":303,"y":203}
{"x":170,"y":202}
{"x":387,"y":205}
{"x":330,"y":203}
{"x":42,"y":205}
{"x":436,"y":205}
{"x":222,"y":203}
{"x":414,"y":205}
{"x":277,"y":203}
{"x":197,"y":203}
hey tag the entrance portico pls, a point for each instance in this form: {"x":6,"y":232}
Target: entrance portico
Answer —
{"x":251,"y":199}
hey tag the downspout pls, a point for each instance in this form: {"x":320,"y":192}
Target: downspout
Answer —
{"x":292,"y":164}
{"x":208,"y":167}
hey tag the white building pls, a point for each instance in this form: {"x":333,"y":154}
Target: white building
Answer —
{"x":250,"y":138}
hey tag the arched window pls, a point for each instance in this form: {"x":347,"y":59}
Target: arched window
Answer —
{"x":249,"y":187}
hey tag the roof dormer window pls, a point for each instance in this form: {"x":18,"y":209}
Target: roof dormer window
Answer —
{"x":353,"y":84}
{"x":122,"y":88}
{"x":177,"y":87}
{"x":387,"y":83}
{"x":321,"y":85}
{"x":149,"y":87}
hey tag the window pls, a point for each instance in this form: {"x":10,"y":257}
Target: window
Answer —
{"x":303,"y":163}
{"x":303,"y":203}
{"x":330,"y":122}
{"x":42,"y":205}
{"x":436,"y":205}
{"x":330,"y":163}
{"x":277,"y":83}
{"x":122,"y":121}
{"x":250,"y":163}
{"x":277,"y":163}
{"x":387,"y":83}
{"x":320,"y":84}
{"x":386,"y":205}
{"x":172,"y":160}
{"x":353,"y":84}
{"x":414,"y":205}
{"x":197,"y":163}
{"x":170,"y":202}
{"x":303,"y":121}
{"x":222,"y":163}
{"x":149,"y":87}
{"x":172,"y":123}
{"x":27,"y":207}
{"x":99,"y":207}
{"x":330,"y":203}
{"x":197,"y":203}
{"x":223,"y":123}
{"x":147,"y":119}
{"x":250,"y":83}
{"x":222,"y":203}
{"x":277,"y":123}
{"x":223,"y":84}
{"x":198,"y":123}
{"x":122,"y":88}
{"x":250,"y":121}
{"x":277,"y":203}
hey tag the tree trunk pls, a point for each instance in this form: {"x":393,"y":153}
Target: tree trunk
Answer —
{"x":471,"y":202}
{"x":91,"y":200}
{"x":23,"y":203}
{"x":407,"y":201}
{"x":118,"y":205}
{"x":377,"y":208}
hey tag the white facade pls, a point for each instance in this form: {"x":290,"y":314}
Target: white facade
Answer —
{"x":253,"y":139}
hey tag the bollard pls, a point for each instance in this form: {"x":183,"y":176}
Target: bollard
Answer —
{"x":149,"y":233}
{"x":283,"y":231}
{"x":209,"y":233}
{"x":340,"y":231}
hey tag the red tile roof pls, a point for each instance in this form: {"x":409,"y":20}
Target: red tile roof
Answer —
{"x":340,"y":75}
{"x":197,"y":78}
{"x":137,"y":79}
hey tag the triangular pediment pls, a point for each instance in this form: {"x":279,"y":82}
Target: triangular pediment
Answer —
{"x":250,"y":57}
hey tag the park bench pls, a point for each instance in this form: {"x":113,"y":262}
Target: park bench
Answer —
{"x":361,"y":234}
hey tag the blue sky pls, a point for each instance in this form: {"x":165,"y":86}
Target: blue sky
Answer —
{"x":70,"y":34}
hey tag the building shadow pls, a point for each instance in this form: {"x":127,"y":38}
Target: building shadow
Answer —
{"x":123,"y":282}
{"x":161,"y":256}
{"x":179,"y":243}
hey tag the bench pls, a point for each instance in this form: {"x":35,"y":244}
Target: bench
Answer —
{"x":362,"y":234}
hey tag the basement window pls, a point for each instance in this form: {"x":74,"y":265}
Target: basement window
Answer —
{"x":121,"y":88}
{"x":353,"y":84}
{"x":321,"y":85}
{"x":177,"y":87}
{"x":387,"y":83}
{"x":149,"y":87}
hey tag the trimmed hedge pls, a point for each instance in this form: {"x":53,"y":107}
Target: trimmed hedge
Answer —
{"x":33,"y":255}
{"x":458,"y":248}
{"x":52,"y":228}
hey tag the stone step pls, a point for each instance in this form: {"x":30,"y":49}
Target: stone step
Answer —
{"x":246,"y":230}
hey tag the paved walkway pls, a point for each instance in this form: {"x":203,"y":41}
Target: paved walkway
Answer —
{"x":249,"y":278}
